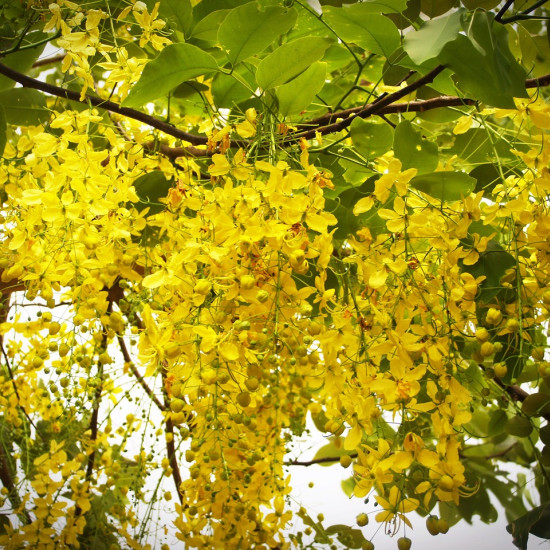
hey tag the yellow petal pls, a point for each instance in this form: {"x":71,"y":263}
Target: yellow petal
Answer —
{"x":154,"y":280}
{"x":363,"y":205}
{"x":229,"y":351}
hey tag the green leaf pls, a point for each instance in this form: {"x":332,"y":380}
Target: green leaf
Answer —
{"x":536,"y":404}
{"x":334,"y":449}
{"x":150,"y":188}
{"x":296,"y":95}
{"x":375,"y":6}
{"x":370,"y":138}
{"x":496,"y":423}
{"x":320,"y":420}
{"x":4,"y":524}
{"x":3,"y":131}
{"x":347,"y":225}
{"x":433,"y":8}
{"x":518,"y":426}
{"x":537,"y":522}
{"x":483,"y":4}
{"x":247,"y":30}
{"x":369,"y":30}
{"x":413,"y":150}
{"x":206,"y":30}
{"x":228,"y":89}
{"x":24,"y":107}
{"x":483,"y":64}
{"x":348,"y":485}
{"x":349,"y":537}
{"x":180,"y":12}
{"x":476,"y":146}
{"x":290,"y":60}
{"x":544,"y":434}
{"x":175,"y":64}
{"x":492,"y":264}
{"x":203,"y":9}
{"x":23,"y":60}
{"x":189,"y":88}
{"x":429,"y":40}
{"x":320,"y":534}
{"x":445,"y":186}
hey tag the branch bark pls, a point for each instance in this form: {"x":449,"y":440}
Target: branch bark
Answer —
{"x":372,"y":108}
{"x":312,"y":462}
{"x":384,"y":105}
{"x":28,"y":82}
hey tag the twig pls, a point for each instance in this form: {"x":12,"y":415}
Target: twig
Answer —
{"x":324,"y":460}
{"x":48,"y":60}
{"x":503,"y":10}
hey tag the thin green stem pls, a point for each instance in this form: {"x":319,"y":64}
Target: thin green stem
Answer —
{"x":346,"y":45}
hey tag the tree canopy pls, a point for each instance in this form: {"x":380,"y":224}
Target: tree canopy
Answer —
{"x":226,"y":224}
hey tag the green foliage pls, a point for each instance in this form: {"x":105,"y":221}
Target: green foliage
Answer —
{"x":357,"y":98}
{"x":174,"y":65}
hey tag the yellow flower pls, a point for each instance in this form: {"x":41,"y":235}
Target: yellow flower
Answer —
{"x":395,"y":506}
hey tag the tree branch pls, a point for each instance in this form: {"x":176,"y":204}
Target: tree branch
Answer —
{"x":48,"y":60}
{"x":384,"y":105}
{"x":503,"y":10}
{"x":324,"y":460}
{"x":523,"y":14}
{"x":28,"y":82}
{"x":137,"y":374}
{"x":412,"y":106}
{"x":372,"y":108}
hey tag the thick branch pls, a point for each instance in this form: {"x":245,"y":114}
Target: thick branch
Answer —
{"x":28,"y":82}
{"x":412,"y":106}
{"x":393,"y":108}
{"x":384,"y":105}
{"x":372,"y":108}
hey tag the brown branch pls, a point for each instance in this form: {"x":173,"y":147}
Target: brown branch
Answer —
{"x":372,"y":108}
{"x":94,"y":423}
{"x":517,"y":394}
{"x":48,"y":60}
{"x":170,"y":447}
{"x":175,"y":152}
{"x":28,"y":82}
{"x":171,"y":455}
{"x":137,"y":374}
{"x":324,"y":460}
{"x":543,"y":80}
{"x":393,"y":108}
{"x":6,"y":288}
{"x":385,"y":104}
